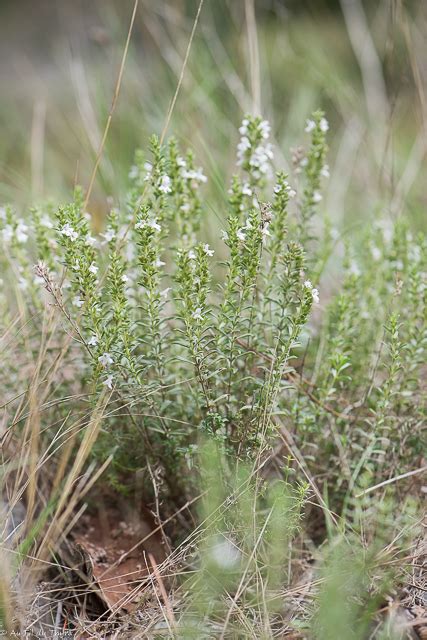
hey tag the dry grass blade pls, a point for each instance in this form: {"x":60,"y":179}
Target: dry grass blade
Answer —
{"x":69,"y":497}
{"x":112,"y":108}
{"x":181,"y":76}
{"x":254,"y":65}
{"x":402,"y":476}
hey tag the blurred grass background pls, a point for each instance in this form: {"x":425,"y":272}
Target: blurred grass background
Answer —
{"x":364,"y":63}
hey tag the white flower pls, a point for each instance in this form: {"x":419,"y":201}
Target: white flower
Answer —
{"x":199,"y":176}
{"x":197,"y":314}
{"x":78,"y":302}
{"x":125,"y":278}
{"x":7,"y":233}
{"x":186,"y":207}
{"x":90,"y":240}
{"x":68,"y":231}
{"x":109,"y":235}
{"x":153,"y":224}
{"x":76,"y":265}
{"x":159,"y":263}
{"x":317,"y":197}
{"x":241,"y":235}
{"x":315,"y":295}
{"x":165,"y":292}
{"x":314,"y":292}
{"x":195,"y":175}
{"x":246,"y":190}
{"x":243,"y":129}
{"x":93,"y":341}
{"x":108,"y":382}
{"x":148,"y":168}
{"x":325,"y":171}
{"x":242,"y":147}
{"x":260,"y":158}
{"x":265,"y":129}
{"x":268,"y":150}
{"x":309,"y":126}
{"x":324,"y":125}
{"x":181,"y":162}
{"x":192,"y":254}
{"x":224,"y":235}
{"x":165,"y":184}
{"x":93,"y":268}
{"x":208,"y":250}
{"x":105,"y":359}
{"x":291,"y":192}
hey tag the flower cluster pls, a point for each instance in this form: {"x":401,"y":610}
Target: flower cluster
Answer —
{"x":147,"y":232}
{"x":186,"y":182}
{"x":314,"y":168}
{"x":188,"y":346}
{"x":140,"y":171}
{"x":314,"y":292}
{"x":159,"y":181}
{"x":120,"y":335}
{"x":164,"y":185}
{"x":43,"y":224}
{"x":13,"y":231}
{"x":322,"y":123}
{"x":68,"y":231}
{"x":193,"y":278}
{"x":254,"y":154}
{"x":283,"y":192}
{"x":80,"y":257}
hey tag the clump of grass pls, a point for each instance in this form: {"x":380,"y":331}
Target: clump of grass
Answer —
{"x":150,"y":347}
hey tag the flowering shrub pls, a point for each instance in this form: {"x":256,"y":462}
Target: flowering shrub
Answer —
{"x":194,"y":347}
{"x":240,"y":343}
